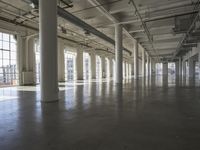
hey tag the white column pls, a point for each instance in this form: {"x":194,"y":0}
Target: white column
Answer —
{"x":199,"y":62}
{"x":111,"y":67}
{"x":184,"y":68}
{"x":48,"y":41}
{"x":79,"y":64}
{"x":20,"y":57}
{"x":180,"y":67}
{"x":191,"y":67}
{"x":93,"y":65}
{"x":118,"y":54}
{"x":177,"y":68}
{"x":143,"y":63}
{"x":148,"y":65}
{"x":150,"y":69}
{"x":61,"y":61}
{"x":125,"y":69}
{"x":165,"y":68}
{"x":136,"y":64}
{"x":103,"y":66}
{"x":153,"y":67}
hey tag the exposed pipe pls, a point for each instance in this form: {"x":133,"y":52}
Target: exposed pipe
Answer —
{"x":189,"y":29}
{"x":78,"y":22}
{"x":143,"y":25}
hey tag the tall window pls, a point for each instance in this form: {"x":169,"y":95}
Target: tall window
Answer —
{"x":171,"y":69}
{"x":86,"y":66}
{"x":37,"y":62}
{"x":8,"y":60}
{"x":69,"y":65}
{"x":98,"y":67}
{"x":159,"y":68}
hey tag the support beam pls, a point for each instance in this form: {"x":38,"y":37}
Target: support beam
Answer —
{"x":93,"y":65}
{"x":191,"y":67}
{"x":184,"y":68}
{"x":48,"y":41}
{"x":143,"y":63}
{"x":79,"y":64}
{"x":136,"y":64}
{"x":118,"y":54}
{"x":180,"y":67}
{"x":165,"y":69}
{"x":103,"y":66}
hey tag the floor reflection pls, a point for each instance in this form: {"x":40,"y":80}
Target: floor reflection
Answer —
{"x":139,"y":113}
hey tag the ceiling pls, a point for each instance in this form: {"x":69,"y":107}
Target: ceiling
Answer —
{"x":158,"y":25}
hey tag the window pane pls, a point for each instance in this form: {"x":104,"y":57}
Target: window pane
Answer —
{"x":1,"y":56}
{"x":6,"y":62}
{"x":1,"y":45}
{"x":1,"y":36}
{"x":6,"y":45}
{"x":6,"y":55}
{"x":13,"y":46}
{"x":5,"y":37}
{"x":13,"y":55}
{"x":13,"y":62}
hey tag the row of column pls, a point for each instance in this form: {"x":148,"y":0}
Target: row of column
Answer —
{"x":182,"y":67}
{"x":48,"y":41}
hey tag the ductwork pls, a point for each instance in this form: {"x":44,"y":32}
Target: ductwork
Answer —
{"x":78,"y":22}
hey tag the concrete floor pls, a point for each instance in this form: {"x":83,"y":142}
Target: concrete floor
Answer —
{"x":142,"y":115}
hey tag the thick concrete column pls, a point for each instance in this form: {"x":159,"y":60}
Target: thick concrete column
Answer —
{"x":93,"y":65}
{"x":124,"y":69}
{"x":177,"y":68}
{"x":79,"y":65}
{"x":148,"y":65}
{"x":111,"y":67}
{"x":20,"y":57}
{"x":136,"y":63}
{"x":127,"y":69}
{"x":153,"y":67}
{"x":103,"y":66}
{"x":143,"y":63}
{"x":130,"y":70}
{"x":118,"y":54}
{"x":184,"y":68}
{"x":150,"y":69}
{"x":61,"y":61}
{"x":180,"y":66}
{"x":165,"y":69}
{"x":191,"y":67}
{"x":199,"y":62}
{"x":48,"y":41}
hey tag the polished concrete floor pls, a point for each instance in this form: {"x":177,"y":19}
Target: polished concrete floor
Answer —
{"x":155,"y":114}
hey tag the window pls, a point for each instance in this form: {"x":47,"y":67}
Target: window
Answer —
{"x":69,"y":65}
{"x":98,"y":67}
{"x":37,"y":62}
{"x":171,"y":69}
{"x":86,"y":66}
{"x":8,"y":60}
{"x":159,"y":68}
